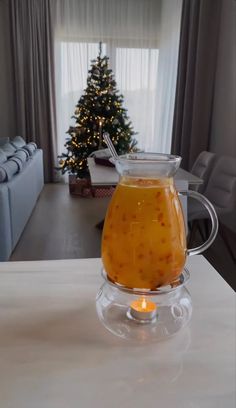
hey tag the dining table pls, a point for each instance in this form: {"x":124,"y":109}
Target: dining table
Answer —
{"x":107,"y":176}
{"x":55,"y":353}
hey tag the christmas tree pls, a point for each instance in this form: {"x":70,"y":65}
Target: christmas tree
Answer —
{"x":99,"y":110}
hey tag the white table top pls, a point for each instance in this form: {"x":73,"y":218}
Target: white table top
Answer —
{"x":54,"y":352}
{"x":102,"y":175}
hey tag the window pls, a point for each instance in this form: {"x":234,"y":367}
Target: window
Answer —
{"x":135,"y":71}
{"x":136,"y":75}
{"x":142,"y":40}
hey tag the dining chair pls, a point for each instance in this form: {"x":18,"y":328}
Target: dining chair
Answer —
{"x":221,"y":191}
{"x":202,"y":168}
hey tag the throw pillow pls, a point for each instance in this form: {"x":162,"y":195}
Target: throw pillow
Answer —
{"x":18,"y":142}
{"x":3,"y":174}
{"x":4,"y":140}
{"x":26,"y":153}
{"x":3,"y":156}
{"x":31,"y":148}
{"x":21,"y":154}
{"x":10,"y":167}
{"x":8,"y":149}
{"x":18,"y":162}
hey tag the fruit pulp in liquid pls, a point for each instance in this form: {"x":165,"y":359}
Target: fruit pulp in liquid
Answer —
{"x":143,"y":243}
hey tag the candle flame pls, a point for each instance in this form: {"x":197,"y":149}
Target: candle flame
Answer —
{"x":143,"y":309}
{"x":144,"y":303}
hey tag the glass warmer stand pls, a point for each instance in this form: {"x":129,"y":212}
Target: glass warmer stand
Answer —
{"x":144,"y":315}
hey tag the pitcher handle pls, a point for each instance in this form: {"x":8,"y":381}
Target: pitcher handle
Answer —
{"x":214,"y":221}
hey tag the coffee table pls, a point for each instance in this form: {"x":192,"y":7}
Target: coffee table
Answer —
{"x":54,"y":352}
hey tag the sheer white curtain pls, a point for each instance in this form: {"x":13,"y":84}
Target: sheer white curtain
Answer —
{"x":141,"y":38}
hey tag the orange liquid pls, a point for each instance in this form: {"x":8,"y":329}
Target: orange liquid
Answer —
{"x":143,"y":243}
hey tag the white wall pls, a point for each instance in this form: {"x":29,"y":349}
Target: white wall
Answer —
{"x":223,"y":133}
{"x":7,"y":115}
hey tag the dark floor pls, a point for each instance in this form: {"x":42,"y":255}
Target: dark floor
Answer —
{"x":63,"y":227}
{"x":221,"y":258}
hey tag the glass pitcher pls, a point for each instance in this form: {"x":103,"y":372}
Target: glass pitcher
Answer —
{"x":144,"y":238}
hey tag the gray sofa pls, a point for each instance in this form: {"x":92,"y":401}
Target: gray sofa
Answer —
{"x":18,"y":197}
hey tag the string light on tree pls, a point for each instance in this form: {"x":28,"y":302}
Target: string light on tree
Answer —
{"x":99,"y":110}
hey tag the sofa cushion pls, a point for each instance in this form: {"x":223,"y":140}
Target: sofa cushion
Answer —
{"x":18,"y":162}
{"x":25,"y":152}
{"x":17,"y":200}
{"x":3,"y":174}
{"x":18,"y":142}
{"x":4,"y":140}
{"x":23,"y":193}
{"x":30,"y":148}
{"x":21,"y":154}
{"x":3,"y":156}
{"x":9,"y":168}
{"x":5,"y":224}
{"x":8,"y":149}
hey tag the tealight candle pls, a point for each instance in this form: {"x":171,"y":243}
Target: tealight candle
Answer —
{"x":142,"y":309}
